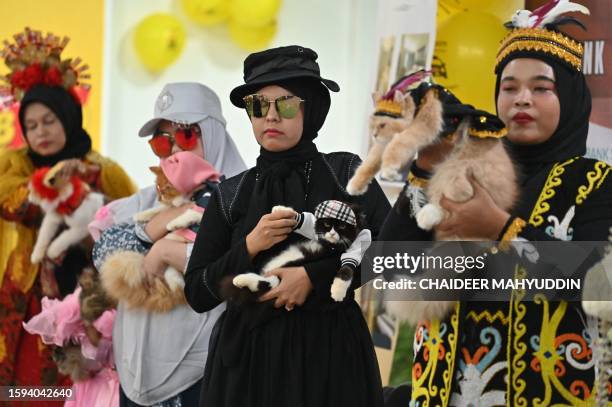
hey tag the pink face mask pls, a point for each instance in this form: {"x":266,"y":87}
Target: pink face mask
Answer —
{"x":187,"y":171}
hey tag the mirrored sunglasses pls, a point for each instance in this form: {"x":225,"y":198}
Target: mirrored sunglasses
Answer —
{"x":258,"y":105}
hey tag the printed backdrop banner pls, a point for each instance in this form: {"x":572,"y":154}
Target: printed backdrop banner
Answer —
{"x":597,"y":66}
{"x":406,"y":37}
{"x":405,"y":41}
{"x":406,"y":31}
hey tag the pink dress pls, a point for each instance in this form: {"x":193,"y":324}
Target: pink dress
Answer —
{"x":60,"y":322}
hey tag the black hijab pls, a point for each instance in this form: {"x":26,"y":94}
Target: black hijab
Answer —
{"x":570,"y":137}
{"x":69,"y":113}
{"x":282,"y":176}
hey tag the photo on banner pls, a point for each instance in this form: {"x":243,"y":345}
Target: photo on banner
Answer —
{"x":412,"y":54}
{"x":406,"y":36}
{"x":385,"y":56}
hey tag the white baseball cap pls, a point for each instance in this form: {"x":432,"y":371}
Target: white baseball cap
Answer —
{"x":184,"y":102}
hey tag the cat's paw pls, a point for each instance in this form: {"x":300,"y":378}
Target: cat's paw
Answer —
{"x":37,"y":255}
{"x":429,"y":216}
{"x":274,"y":281}
{"x":55,"y":250}
{"x":174,"y":279}
{"x":281,"y":208}
{"x":176,"y":224}
{"x":248,"y":280}
{"x":141,"y":217}
{"x":339,"y":289}
{"x":390,"y":174}
{"x":355,"y":188}
{"x":600,"y":309}
{"x":186,"y":219}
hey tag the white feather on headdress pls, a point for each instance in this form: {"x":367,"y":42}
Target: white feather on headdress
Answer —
{"x":546,"y":14}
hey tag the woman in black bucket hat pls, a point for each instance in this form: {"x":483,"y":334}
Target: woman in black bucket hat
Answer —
{"x":297,"y":347}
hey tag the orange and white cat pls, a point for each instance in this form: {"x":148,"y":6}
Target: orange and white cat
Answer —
{"x":122,"y":273}
{"x":483,"y":158}
{"x":67,"y":202}
{"x":424,"y":130}
{"x":486,"y":160}
{"x":383,"y":129}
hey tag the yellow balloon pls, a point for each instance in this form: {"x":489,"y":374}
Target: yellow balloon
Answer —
{"x":206,"y":12}
{"x":159,"y":39}
{"x":254,"y":13}
{"x":464,"y":58}
{"x":473,"y":5}
{"x":446,"y":9}
{"x":502,"y":9}
{"x":252,"y":38}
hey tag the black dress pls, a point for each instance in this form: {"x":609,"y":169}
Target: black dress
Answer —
{"x":320,"y":354}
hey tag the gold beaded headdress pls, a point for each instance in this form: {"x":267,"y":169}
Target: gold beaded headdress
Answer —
{"x":34,"y":59}
{"x":534,"y":32}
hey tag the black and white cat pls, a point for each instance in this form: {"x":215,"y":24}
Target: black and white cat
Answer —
{"x":334,"y":227}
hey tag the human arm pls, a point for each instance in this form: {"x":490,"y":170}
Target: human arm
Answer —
{"x":214,"y":256}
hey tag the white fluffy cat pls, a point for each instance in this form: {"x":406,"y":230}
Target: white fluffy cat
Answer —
{"x":68,"y":202}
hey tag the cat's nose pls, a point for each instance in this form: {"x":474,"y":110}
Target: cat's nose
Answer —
{"x":332,"y":235}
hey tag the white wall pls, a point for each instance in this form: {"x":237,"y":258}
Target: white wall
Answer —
{"x":341,"y":31}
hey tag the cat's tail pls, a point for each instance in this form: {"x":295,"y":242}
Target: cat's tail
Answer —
{"x":423,"y":131}
{"x":123,"y":278}
{"x":93,"y":300}
{"x":166,"y":294}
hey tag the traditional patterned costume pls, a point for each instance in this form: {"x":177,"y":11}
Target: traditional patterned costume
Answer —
{"x":517,"y":352}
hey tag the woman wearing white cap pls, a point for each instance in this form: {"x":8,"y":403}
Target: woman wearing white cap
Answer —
{"x":160,"y":356}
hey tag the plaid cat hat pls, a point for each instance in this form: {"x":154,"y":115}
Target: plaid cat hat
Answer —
{"x":336,"y":210}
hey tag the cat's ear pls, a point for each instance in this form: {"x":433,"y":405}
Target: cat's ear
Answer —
{"x":376,"y":96}
{"x":156,"y":170}
{"x":398,"y":97}
{"x":462,"y":132}
{"x":408,"y":107}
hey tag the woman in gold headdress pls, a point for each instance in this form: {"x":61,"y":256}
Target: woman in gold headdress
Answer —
{"x":51,"y":119}
{"x":521,"y":351}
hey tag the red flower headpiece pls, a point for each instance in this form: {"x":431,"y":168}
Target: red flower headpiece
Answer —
{"x":36,"y":60}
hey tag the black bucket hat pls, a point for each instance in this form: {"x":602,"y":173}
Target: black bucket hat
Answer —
{"x":278,"y":64}
{"x":483,"y":124}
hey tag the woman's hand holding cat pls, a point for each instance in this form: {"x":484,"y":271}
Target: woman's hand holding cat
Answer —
{"x":293,"y":289}
{"x":153,"y":263}
{"x":156,"y":227}
{"x":478,"y":217}
{"x":66,"y":169}
{"x":271,"y":229}
{"x":164,"y":253}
